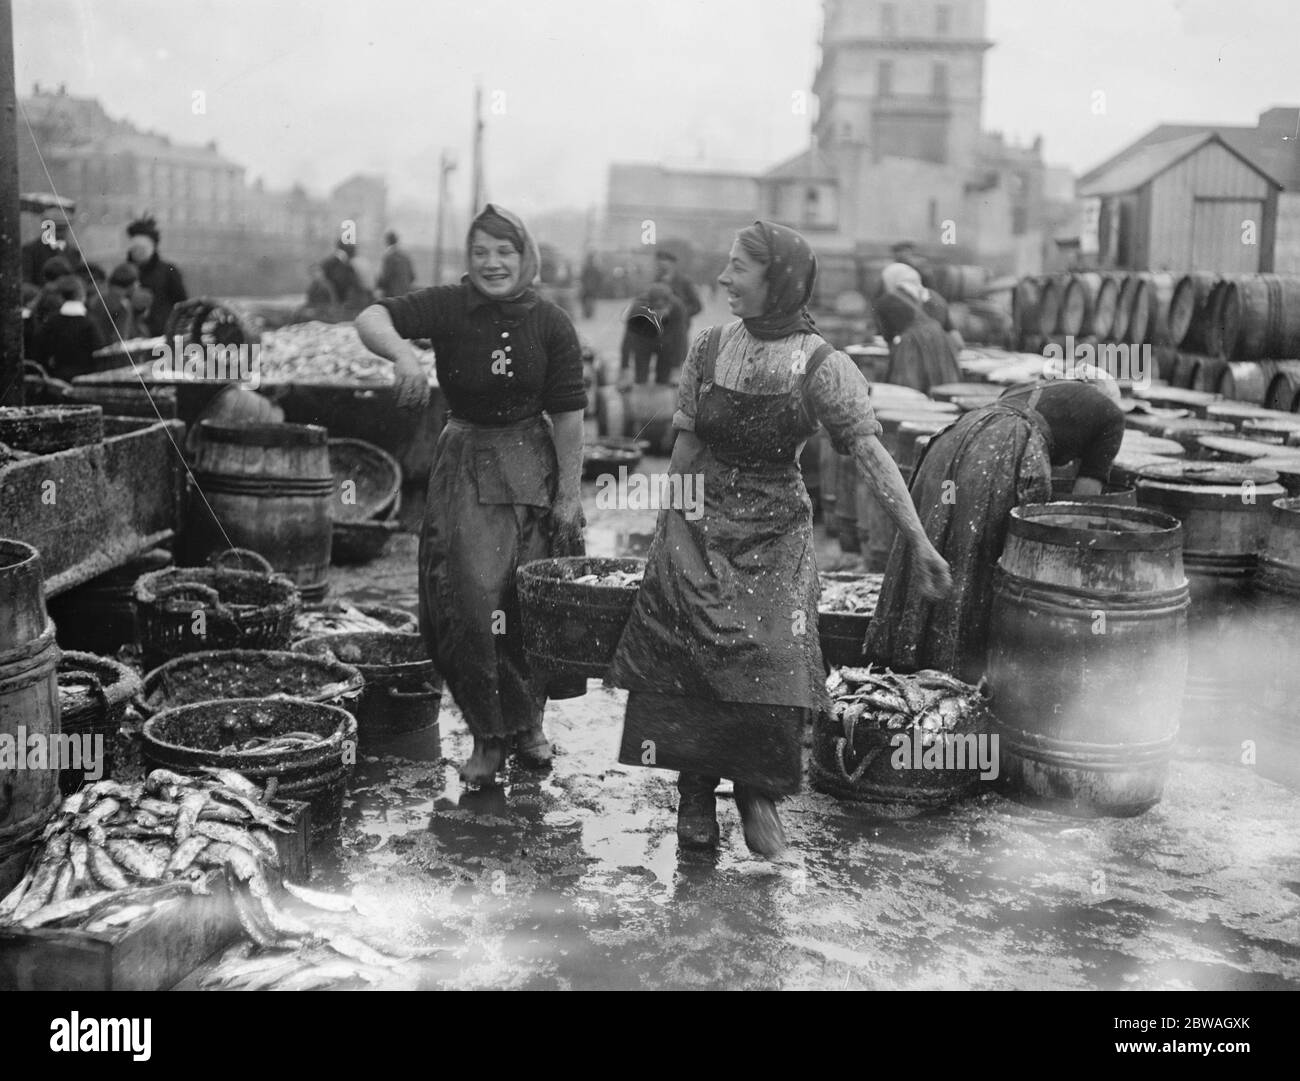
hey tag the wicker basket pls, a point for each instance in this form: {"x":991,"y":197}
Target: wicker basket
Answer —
{"x":376,"y":475}
{"x":608,"y":454}
{"x":240,"y":610}
{"x":46,"y":429}
{"x":93,"y":695}
{"x":340,"y":617}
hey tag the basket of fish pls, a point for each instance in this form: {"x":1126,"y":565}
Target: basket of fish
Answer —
{"x":341,"y":616}
{"x":190,"y":609}
{"x":93,"y":695}
{"x":47,"y":429}
{"x":403,"y":690}
{"x":844,"y":611}
{"x":609,"y":454}
{"x":902,"y":744}
{"x":133,"y":885}
{"x":307,"y":748}
{"x":574,"y":610}
{"x":248,"y":673}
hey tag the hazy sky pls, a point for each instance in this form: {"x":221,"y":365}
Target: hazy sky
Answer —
{"x":314,"y":91}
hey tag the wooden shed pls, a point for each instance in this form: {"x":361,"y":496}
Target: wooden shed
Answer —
{"x":1187,"y":204}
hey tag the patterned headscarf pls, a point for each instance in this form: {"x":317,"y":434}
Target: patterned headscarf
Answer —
{"x":500,"y":223}
{"x":791,"y":273}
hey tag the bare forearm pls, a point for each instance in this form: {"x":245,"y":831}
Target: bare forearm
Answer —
{"x":567,"y":433}
{"x":375,"y":328}
{"x":887,"y":482}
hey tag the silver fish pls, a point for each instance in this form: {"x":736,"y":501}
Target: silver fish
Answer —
{"x":236,"y":782}
{"x":135,"y":858}
{"x":327,"y":902}
{"x":79,"y":856}
{"x":66,"y":909}
{"x":161,"y":779}
{"x":190,"y":808}
{"x":105,"y":871}
{"x":47,"y":873}
{"x":185,"y":854}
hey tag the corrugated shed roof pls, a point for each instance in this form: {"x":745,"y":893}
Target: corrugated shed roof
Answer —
{"x":1143,"y":163}
{"x":1274,"y":153}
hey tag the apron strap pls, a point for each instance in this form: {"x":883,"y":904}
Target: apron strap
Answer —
{"x":819,"y":356}
{"x":711,"y":345}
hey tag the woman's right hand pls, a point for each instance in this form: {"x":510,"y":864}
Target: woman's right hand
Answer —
{"x":934,"y":578}
{"x":412,"y":383}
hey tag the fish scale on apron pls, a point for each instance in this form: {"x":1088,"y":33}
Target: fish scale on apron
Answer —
{"x":489,"y":512}
{"x":721,"y":652}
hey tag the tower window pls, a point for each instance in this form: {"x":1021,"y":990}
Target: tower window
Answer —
{"x":888,"y":24}
{"x":885,"y":78}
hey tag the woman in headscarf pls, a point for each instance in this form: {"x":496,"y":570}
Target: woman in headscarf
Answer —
{"x":914,"y":322}
{"x":505,"y":485}
{"x":721,"y":653}
{"x":968,"y":479}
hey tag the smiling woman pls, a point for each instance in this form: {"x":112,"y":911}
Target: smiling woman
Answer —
{"x":506,"y":475}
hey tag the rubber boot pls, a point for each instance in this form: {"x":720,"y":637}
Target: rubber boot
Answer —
{"x":697,"y":813}
{"x":764,"y":833}
{"x":532,"y":748}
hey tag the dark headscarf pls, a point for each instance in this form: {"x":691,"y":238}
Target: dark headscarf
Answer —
{"x":500,"y":223}
{"x":791,"y":273}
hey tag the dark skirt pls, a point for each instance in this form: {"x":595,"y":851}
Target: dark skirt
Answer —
{"x":924,"y":357}
{"x":489,"y":512}
{"x":995,"y":458}
{"x":760,"y":746}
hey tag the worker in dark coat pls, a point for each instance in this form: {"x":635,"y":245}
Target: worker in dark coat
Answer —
{"x":396,"y":272}
{"x":655,"y":335}
{"x":161,"y":278}
{"x":969,"y":478}
{"x":667,"y":273}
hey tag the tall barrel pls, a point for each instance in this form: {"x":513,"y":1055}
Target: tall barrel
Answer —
{"x":1024,"y":308}
{"x":1224,"y":510}
{"x":1078,"y":299}
{"x":29,"y":706}
{"x":1103,"y":308}
{"x":1051,"y":297}
{"x":1139,"y":320}
{"x":1284,"y":387}
{"x":266,"y":487}
{"x":1088,"y":655}
{"x":1160,"y":290}
{"x":1247,"y":381}
{"x":1277,"y":735}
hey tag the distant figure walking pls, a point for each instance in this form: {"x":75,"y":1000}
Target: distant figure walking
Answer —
{"x":396,"y":272}
{"x":667,"y":273}
{"x":349,"y":294}
{"x":590,"y":282}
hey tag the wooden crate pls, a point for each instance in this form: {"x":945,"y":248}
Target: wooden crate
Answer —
{"x":152,"y":954}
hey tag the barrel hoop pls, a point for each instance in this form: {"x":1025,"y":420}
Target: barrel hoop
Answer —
{"x":1088,"y":756}
{"x":230,"y":484}
{"x":1155,"y":604}
{"x":1216,"y":565}
{"x":1273,"y":340}
{"x":18,"y":665}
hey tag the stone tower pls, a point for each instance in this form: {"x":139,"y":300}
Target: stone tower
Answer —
{"x":902,"y":79}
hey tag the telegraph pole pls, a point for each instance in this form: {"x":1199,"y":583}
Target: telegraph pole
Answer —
{"x":11,"y":290}
{"x":446,"y":165}
{"x":476,"y":191}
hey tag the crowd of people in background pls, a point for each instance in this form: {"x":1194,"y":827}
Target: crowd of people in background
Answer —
{"x":72,"y":307}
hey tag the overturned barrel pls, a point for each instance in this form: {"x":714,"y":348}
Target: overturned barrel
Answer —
{"x":29,"y":707}
{"x":1088,"y":655}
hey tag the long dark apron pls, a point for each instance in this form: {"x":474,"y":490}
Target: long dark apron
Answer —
{"x":969,"y":478}
{"x":721,"y":653}
{"x":489,"y":512}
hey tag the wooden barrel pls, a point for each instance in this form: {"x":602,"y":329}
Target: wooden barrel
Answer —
{"x":1247,"y":381}
{"x":1163,"y":397}
{"x":1024,"y":307}
{"x":29,"y":707}
{"x":1235,"y":448}
{"x":1139,"y":320}
{"x":1112,"y":495}
{"x":1104,"y":308}
{"x":1224,"y":510}
{"x":1088,"y":656}
{"x":1271,"y":427}
{"x":1160,"y":290}
{"x":1187,"y":311}
{"x":1125,"y":290}
{"x":1260,"y":316}
{"x":268,"y":488}
{"x":1051,"y":298}
{"x":911,"y":437}
{"x":950,"y":392}
{"x":1276,"y":627}
{"x":1078,"y":298}
{"x":1284,"y":387}
{"x":1184,"y":372}
{"x":1209,"y":373}
{"x":1189,"y":431}
{"x":1234,"y":413}
{"x":1287,"y":470}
